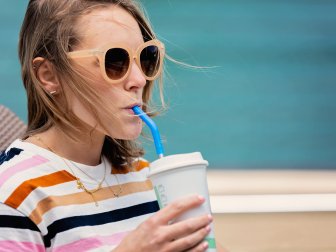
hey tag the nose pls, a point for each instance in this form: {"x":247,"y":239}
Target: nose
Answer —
{"x":136,"y":80}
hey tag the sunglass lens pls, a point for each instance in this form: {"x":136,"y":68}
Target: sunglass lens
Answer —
{"x":150,"y":60}
{"x":116,"y":63}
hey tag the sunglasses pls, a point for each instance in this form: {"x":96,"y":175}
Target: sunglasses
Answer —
{"x":115,"y":59}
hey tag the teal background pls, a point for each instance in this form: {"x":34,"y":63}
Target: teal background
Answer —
{"x":268,"y":99}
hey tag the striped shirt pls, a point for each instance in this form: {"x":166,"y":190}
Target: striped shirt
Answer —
{"x":41,"y":208}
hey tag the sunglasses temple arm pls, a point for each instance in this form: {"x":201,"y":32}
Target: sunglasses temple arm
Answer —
{"x":154,"y":129}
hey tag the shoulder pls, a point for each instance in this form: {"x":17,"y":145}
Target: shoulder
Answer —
{"x":15,"y":164}
{"x":24,"y":169}
{"x":17,"y":159}
{"x":14,"y":160}
{"x":20,"y":156}
{"x":9,"y":154}
{"x":18,"y":151}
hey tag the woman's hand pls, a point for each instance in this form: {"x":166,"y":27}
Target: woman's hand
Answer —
{"x":155,"y":234}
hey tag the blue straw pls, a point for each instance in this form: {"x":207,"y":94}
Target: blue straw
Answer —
{"x":154,"y":129}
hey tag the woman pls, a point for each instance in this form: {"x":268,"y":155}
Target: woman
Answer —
{"x":75,"y":181}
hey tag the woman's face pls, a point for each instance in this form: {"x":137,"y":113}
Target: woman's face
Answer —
{"x":98,"y":28}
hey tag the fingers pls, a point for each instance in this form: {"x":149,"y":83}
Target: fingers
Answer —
{"x":187,"y":227}
{"x":202,"y":246}
{"x":178,"y":207}
{"x":184,"y":235}
{"x":193,"y":242}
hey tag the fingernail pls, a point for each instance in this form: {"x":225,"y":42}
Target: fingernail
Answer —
{"x":205,"y":245}
{"x":210,"y":217}
{"x":208,"y":228}
{"x":201,"y":198}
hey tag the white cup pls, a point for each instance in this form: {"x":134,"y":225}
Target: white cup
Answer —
{"x":179,"y":175}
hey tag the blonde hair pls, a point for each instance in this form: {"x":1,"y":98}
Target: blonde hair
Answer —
{"x":48,"y":31}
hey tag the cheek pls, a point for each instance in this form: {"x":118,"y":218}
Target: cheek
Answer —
{"x":81,"y":112}
{"x":91,"y":72}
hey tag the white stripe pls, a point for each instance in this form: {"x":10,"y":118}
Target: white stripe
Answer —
{"x":7,"y":210}
{"x":20,"y":235}
{"x":273,"y":203}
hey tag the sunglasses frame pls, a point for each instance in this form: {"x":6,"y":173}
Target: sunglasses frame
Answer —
{"x":135,"y":55}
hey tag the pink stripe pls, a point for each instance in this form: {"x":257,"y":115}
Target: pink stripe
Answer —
{"x":92,"y":243}
{"x":20,"y":246}
{"x":19,"y":167}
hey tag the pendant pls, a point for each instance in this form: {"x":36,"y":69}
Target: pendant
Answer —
{"x":79,"y":184}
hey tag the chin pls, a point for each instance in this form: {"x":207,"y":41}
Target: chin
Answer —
{"x":134,"y":130}
{"x":132,"y":135}
{"x":126,"y":129}
{"x":127,"y":133}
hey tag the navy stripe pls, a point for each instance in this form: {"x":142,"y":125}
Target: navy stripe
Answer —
{"x":9,"y":155}
{"x":98,"y":219}
{"x":17,"y":222}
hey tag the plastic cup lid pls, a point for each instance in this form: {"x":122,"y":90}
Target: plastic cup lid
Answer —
{"x":176,"y":161}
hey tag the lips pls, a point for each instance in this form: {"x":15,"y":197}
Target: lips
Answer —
{"x":139,"y":104}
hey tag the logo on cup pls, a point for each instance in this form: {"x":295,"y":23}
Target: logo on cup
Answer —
{"x":161,"y":195}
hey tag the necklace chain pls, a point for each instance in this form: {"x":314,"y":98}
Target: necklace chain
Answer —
{"x":103,"y":180}
{"x":119,"y":187}
{"x":80,"y":184}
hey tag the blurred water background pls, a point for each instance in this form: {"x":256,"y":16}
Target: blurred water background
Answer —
{"x":269,"y":100}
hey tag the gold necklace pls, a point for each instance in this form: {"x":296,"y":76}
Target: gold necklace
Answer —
{"x":80,"y":184}
{"x":119,"y":185}
{"x":104,"y":180}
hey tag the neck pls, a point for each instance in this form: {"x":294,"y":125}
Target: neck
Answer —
{"x":86,"y":151}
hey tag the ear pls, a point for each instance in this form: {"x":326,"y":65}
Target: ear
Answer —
{"x":46,"y":74}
